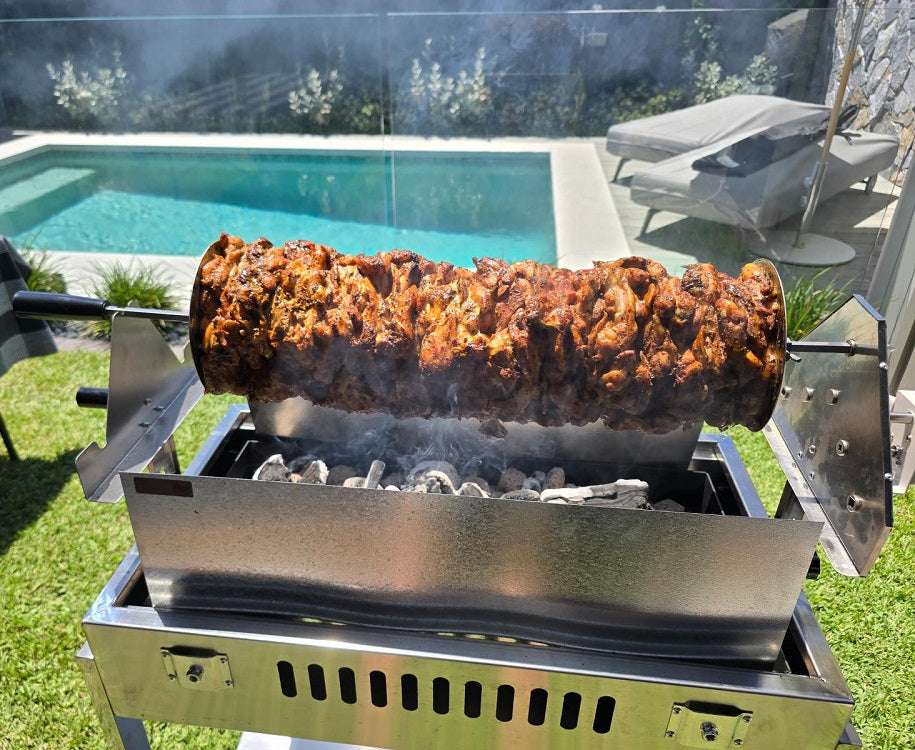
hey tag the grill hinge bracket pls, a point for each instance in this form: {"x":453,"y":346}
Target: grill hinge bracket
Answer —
{"x":706,"y":725}
{"x":197,"y":669}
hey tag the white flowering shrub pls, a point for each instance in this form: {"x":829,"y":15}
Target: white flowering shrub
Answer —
{"x":438,"y":101}
{"x":90,"y":97}
{"x":759,"y":78}
{"x":315,"y":99}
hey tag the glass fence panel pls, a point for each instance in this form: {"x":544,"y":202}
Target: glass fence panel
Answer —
{"x":681,"y":134}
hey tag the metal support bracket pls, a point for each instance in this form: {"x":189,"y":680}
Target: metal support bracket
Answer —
{"x":197,"y":669}
{"x":830,"y":432}
{"x":706,"y":725}
{"x":902,"y":419}
{"x":150,"y":391}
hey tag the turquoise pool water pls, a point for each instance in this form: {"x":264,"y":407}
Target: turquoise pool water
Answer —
{"x":445,"y":206}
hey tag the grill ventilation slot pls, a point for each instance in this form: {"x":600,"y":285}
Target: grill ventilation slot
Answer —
{"x":316,"y":682}
{"x":573,"y":713}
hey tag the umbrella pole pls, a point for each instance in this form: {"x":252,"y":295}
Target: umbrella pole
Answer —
{"x":820,"y":169}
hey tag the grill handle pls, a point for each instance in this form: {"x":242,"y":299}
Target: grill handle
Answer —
{"x":92,"y":398}
{"x":54,"y":306}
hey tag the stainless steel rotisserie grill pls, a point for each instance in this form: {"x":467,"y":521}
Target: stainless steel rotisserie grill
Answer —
{"x":412,"y":620}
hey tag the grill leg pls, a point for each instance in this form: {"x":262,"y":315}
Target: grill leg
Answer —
{"x":619,"y":166}
{"x":7,"y":441}
{"x":120,"y":733}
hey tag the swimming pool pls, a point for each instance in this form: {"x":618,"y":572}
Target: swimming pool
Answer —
{"x":448,"y":206}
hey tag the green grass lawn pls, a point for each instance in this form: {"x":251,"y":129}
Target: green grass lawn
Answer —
{"x":57,"y":550}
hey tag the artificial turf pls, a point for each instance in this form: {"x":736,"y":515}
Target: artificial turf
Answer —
{"x":57,"y":550}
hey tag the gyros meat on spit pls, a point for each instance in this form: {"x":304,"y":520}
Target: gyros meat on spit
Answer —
{"x":622,"y":342}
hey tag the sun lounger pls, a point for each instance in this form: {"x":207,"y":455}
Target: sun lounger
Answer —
{"x":660,"y":137}
{"x":766,"y":196}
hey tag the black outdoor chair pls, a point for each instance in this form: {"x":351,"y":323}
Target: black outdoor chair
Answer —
{"x":19,"y":337}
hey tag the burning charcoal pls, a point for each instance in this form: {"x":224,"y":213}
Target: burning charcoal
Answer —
{"x":511,"y":479}
{"x":480,"y":482}
{"x":340,"y":473}
{"x":298,"y":464}
{"x":355,"y":482}
{"x":394,"y":478}
{"x":472,"y":489}
{"x":314,"y":473}
{"x":539,"y":476}
{"x":522,"y":494}
{"x":439,"y":482}
{"x":426,"y":467}
{"x":374,"y":474}
{"x":556,"y":501}
{"x":568,"y":493}
{"x":392,"y":488}
{"x":555,"y":478}
{"x":532,"y":483}
{"x":631,"y":493}
{"x":493,"y":428}
{"x":668,"y":505}
{"x":272,"y":470}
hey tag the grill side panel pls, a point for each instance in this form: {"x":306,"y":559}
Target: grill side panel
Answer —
{"x":337,"y":690}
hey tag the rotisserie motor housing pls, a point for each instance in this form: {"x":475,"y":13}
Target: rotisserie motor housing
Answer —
{"x":623,"y":342}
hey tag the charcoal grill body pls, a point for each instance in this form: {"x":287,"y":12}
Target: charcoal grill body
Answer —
{"x":257,"y":607}
{"x":406,"y":687}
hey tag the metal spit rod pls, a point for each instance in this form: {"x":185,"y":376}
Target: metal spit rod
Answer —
{"x":849,"y":347}
{"x":53,"y":306}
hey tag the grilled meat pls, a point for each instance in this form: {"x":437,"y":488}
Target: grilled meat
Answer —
{"x":623,"y":342}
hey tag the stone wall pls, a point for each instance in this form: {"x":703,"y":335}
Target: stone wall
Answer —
{"x":882,"y":81}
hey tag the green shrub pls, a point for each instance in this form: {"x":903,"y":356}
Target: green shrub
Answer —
{"x":807,"y":304}
{"x":122,"y":285}
{"x":45,"y":275}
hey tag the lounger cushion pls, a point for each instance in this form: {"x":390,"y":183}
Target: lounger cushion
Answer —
{"x":662,"y":136}
{"x":767,"y":196}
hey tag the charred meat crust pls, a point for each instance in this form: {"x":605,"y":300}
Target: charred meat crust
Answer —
{"x":623,"y":342}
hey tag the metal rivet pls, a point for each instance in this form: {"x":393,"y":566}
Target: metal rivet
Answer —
{"x":853,"y":503}
{"x":676,"y":710}
{"x":173,"y":677}
{"x":812,"y":450}
{"x":841,"y":447}
{"x":144,"y":425}
{"x":786,"y":391}
{"x":228,"y":683}
{"x":669,"y":733}
{"x":833,"y":395}
{"x":808,"y":393}
{"x":709,"y":731}
{"x":884,"y":366}
{"x":147,"y":401}
{"x":811,"y":475}
{"x":738,"y":742}
{"x":747,"y":719}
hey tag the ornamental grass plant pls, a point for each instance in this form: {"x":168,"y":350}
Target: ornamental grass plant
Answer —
{"x":137,"y":285}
